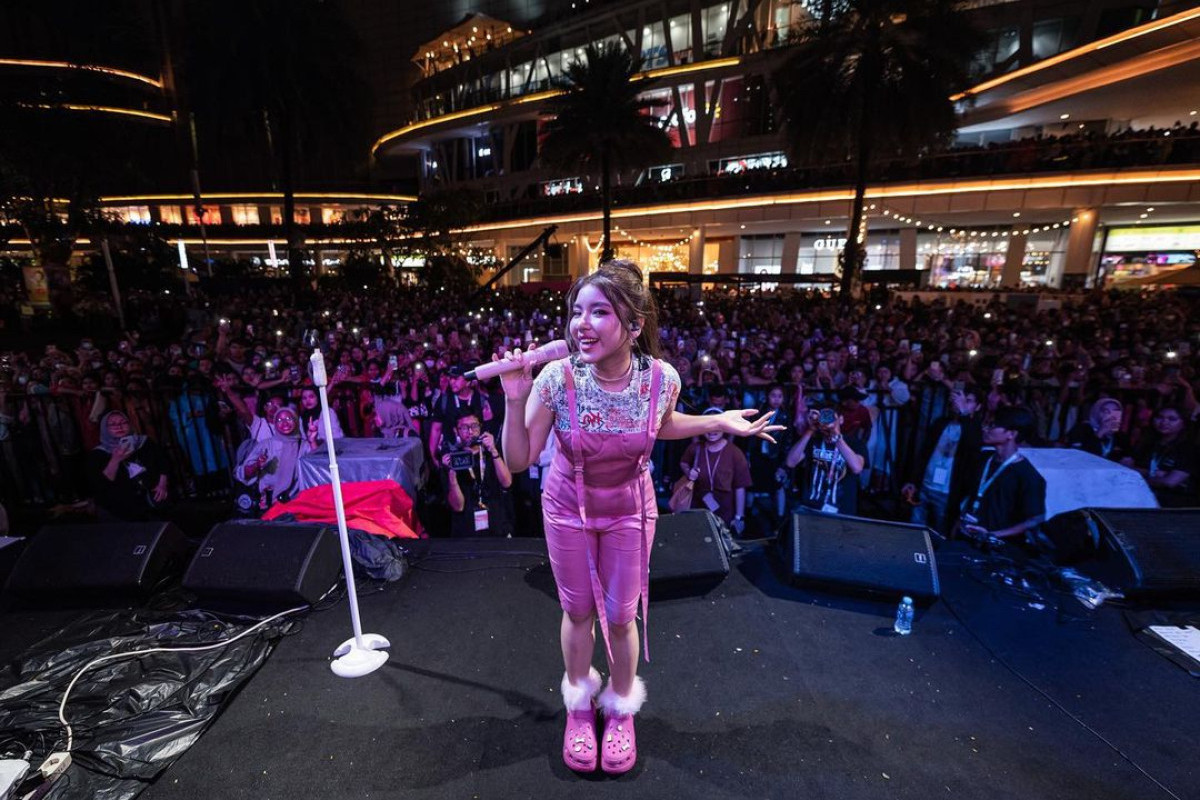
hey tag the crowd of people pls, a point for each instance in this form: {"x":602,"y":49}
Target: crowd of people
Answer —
{"x":876,"y":397}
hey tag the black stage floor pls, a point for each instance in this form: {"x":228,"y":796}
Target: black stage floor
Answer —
{"x":756,"y":690}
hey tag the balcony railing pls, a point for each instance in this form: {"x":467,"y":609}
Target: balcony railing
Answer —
{"x":1029,"y":156}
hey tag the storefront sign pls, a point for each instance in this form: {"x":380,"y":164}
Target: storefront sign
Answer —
{"x":732,"y":166}
{"x":666,"y":172}
{"x":830,"y":243}
{"x":1157,"y":239}
{"x":564,"y":186}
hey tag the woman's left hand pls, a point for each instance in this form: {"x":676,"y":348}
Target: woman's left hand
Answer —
{"x":739,"y":423}
{"x":160,"y":492}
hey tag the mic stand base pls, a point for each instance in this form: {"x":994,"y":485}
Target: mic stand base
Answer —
{"x":352,"y":661}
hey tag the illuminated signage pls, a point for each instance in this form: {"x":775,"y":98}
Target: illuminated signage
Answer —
{"x":666,"y":172}
{"x":1175,"y":237}
{"x":564,"y":186}
{"x":732,"y":166}
{"x":830,"y":243}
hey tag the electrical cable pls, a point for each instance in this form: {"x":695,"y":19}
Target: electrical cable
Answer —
{"x":1046,"y":695}
{"x":62,"y":718}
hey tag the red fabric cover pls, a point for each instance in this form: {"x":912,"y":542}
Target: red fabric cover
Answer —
{"x":380,"y":507}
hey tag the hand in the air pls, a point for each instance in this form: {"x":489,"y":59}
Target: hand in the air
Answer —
{"x":739,"y":423}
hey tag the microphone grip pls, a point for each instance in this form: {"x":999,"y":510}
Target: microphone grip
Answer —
{"x":318,"y":368}
{"x":551,"y":351}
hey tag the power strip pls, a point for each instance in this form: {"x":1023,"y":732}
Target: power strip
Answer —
{"x":12,"y":773}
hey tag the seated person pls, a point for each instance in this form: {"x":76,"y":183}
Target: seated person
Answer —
{"x":271,"y":467}
{"x":720,"y":475}
{"x":477,"y":490}
{"x":831,"y":459}
{"x":1010,"y":497}
{"x":127,"y":472}
{"x":1167,"y":460}
{"x":392,"y":420}
{"x":1100,"y":433}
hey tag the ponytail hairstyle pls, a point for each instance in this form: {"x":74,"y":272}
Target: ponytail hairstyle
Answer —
{"x":620,"y":282}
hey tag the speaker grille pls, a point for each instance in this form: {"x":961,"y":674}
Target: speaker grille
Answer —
{"x":1161,"y":546}
{"x":865,"y":554}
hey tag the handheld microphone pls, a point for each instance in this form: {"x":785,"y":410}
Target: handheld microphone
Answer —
{"x":551,"y":351}
{"x":318,"y":368}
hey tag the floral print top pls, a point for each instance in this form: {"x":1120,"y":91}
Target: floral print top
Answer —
{"x":601,"y":411}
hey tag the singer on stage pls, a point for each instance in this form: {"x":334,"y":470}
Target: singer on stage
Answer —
{"x":606,"y":403}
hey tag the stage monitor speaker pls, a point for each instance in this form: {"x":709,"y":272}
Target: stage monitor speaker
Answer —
{"x":689,"y":554}
{"x":264,"y":567}
{"x":97,"y":565}
{"x":1138,"y":551}
{"x":863,"y":555}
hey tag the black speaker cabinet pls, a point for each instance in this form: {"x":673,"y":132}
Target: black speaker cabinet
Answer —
{"x":688,"y":556}
{"x":97,"y":565}
{"x":264,"y":567}
{"x":1140,"y":551}
{"x":863,"y":555}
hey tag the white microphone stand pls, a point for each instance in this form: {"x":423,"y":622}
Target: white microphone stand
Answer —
{"x":365,"y":653}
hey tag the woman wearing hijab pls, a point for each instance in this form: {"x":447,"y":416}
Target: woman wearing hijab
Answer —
{"x":127,"y":471}
{"x":392,"y":420}
{"x":271,"y":466}
{"x":1100,"y":434}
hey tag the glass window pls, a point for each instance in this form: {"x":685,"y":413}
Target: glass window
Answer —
{"x":133,"y":215}
{"x":654,"y":47}
{"x":244,"y":214}
{"x":170,"y":215}
{"x":760,"y":255}
{"x":333,"y":215}
{"x":1047,"y":38}
{"x":681,"y":37}
{"x":276,"y":215}
{"x":209,"y":215}
{"x":712,"y":22}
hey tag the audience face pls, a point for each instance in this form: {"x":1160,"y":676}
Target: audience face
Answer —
{"x":1168,"y":423}
{"x":118,"y":425}
{"x":286,"y":422}
{"x":468,"y":428}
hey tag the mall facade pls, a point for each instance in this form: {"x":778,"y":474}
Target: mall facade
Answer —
{"x":1078,"y":154}
{"x":1028,"y":201}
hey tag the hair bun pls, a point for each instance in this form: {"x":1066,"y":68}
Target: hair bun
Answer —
{"x":623,"y":264}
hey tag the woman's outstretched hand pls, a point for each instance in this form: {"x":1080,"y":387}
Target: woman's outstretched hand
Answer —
{"x":518,"y":383}
{"x":740,"y":423}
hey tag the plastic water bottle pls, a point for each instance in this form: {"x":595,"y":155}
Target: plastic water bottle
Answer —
{"x":904,"y":617}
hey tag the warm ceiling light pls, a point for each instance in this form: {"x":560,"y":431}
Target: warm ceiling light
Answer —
{"x":1016,"y":213}
{"x":1064,"y":116}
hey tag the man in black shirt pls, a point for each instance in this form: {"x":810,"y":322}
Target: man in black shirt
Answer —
{"x":1010,"y":500}
{"x":477,"y":490}
{"x":463,"y":397}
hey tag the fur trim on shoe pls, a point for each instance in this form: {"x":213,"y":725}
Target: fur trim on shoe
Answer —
{"x":579,"y":698}
{"x":616,"y":705}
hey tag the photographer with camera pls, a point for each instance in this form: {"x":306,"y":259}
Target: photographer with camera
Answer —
{"x":477,"y":482}
{"x":831,"y":458}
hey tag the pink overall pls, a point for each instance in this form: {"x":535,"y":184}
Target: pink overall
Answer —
{"x":600,"y":512}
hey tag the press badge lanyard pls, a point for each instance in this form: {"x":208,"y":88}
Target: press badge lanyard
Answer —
{"x":711,"y":467}
{"x":987,"y":480}
{"x":481,"y":514}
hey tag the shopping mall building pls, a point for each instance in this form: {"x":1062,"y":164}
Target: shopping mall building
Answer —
{"x":1077,"y":156}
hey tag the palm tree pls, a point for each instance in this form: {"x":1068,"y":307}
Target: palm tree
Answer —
{"x":599,"y":123}
{"x":874,"y":77}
